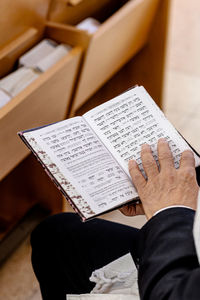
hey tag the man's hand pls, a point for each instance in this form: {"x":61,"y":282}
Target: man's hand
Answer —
{"x":166,"y":187}
{"x":132,"y":209}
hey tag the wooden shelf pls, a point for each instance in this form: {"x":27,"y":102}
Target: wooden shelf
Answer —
{"x":123,"y":32}
{"x":44,"y":101}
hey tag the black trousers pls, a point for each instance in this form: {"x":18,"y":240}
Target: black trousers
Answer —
{"x":66,"y":251}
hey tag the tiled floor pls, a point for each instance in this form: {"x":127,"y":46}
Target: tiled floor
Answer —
{"x":181,"y":104}
{"x":17,"y":281}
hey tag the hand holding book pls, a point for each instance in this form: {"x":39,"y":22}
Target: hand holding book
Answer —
{"x":87,"y":157}
{"x":166,"y":186}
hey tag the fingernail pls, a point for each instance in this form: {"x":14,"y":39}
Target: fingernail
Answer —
{"x":132,"y":163}
{"x":188,"y":152}
{"x":145,"y":146}
{"x":162,"y":140}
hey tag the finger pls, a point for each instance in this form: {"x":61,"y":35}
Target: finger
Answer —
{"x":132,"y":209}
{"x":165,"y":157}
{"x":128,"y":210}
{"x":136,"y":175}
{"x":148,"y":161}
{"x":139,"y":209}
{"x":187,"y":159}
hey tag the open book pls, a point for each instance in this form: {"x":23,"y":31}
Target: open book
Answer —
{"x":87,"y":157}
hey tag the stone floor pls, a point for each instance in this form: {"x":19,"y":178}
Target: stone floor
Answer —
{"x":182,"y":83}
{"x":181,"y":105}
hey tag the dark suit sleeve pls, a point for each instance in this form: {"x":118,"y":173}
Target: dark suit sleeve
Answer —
{"x":168,"y":265}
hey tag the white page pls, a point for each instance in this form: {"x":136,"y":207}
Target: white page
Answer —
{"x":85,"y":161}
{"x":130,"y":120}
{"x":18,"y":80}
{"x":196,"y":228}
{"x":38,"y":52}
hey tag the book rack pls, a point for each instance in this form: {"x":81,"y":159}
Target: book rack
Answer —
{"x":44,"y":101}
{"x":124,"y":30}
{"x":146,"y":67}
{"x":127,"y":49}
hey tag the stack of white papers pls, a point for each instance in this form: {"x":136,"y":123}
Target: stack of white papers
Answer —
{"x":90,"y":25}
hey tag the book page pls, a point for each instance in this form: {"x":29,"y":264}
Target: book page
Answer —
{"x":85,"y":162}
{"x":130,"y":120}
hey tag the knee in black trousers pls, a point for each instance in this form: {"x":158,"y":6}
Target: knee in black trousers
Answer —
{"x":65,"y":251}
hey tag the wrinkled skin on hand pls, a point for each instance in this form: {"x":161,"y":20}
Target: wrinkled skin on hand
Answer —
{"x":165,"y":187}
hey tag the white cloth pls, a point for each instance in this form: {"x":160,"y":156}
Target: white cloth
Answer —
{"x":100,"y":297}
{"x":196,"y":228}
{"x":115,"y":281}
